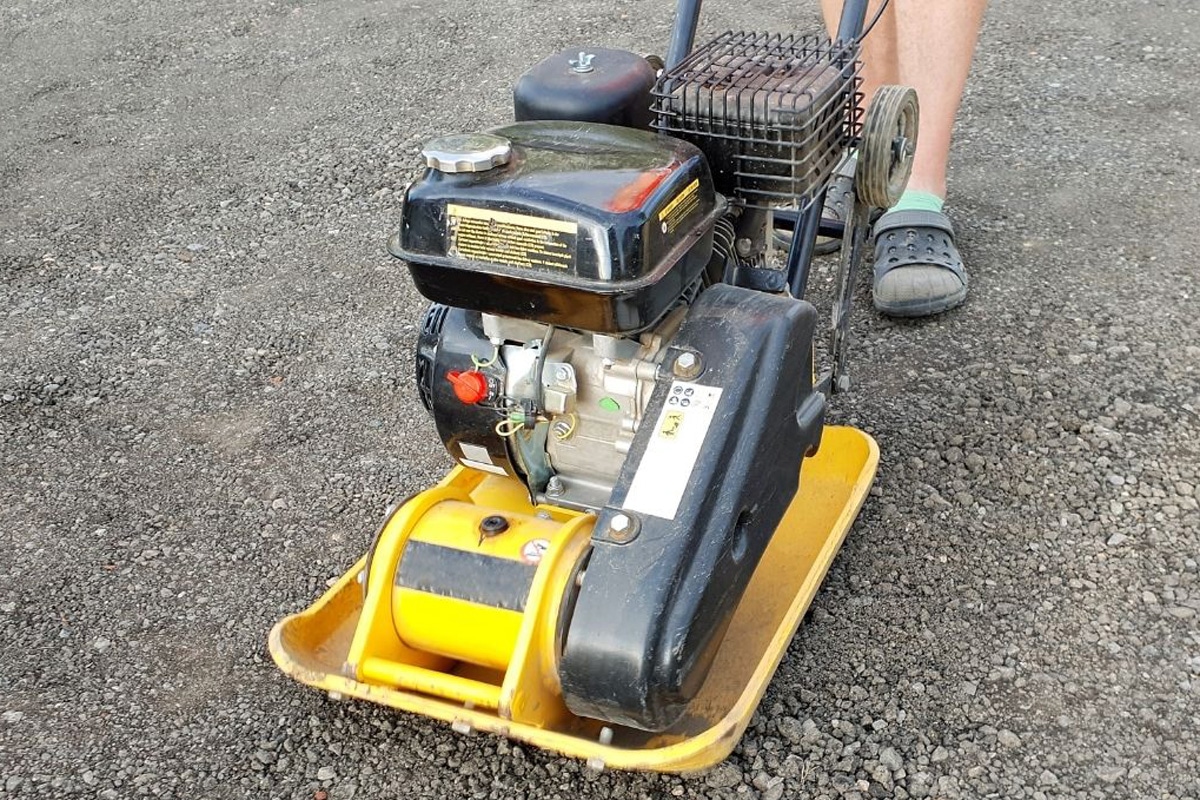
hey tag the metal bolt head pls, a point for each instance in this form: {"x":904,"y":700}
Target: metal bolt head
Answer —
{"x":493,"y":525}
{"x":562,"y":430}
{"x":554,"y":487}
{"x":622,"y":528}
{"x":687,"y":365}
{"x":562,"y":374}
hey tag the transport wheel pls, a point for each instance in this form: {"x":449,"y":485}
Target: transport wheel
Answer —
{"x":889,"y":141}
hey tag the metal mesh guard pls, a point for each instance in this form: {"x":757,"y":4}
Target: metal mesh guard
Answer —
{"x":773,"y":113}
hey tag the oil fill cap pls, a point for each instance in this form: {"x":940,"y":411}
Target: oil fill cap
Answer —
{"x":467,"y":152}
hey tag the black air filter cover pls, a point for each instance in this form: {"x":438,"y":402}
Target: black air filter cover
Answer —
{"x":590,"y":85}
{"x":587,"y":226}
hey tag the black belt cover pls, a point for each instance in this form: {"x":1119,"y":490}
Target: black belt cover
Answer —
{"x":659,"y":594}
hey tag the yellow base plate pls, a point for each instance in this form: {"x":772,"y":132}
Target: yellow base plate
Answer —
{"x":312,"y":646}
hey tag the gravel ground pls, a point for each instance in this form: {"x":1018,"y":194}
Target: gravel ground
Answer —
{"x":207,"y":402}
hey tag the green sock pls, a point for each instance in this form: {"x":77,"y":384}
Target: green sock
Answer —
{"x":913,"y":200}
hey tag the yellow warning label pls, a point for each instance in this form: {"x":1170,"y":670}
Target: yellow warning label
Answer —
{"x":517,"y":240}
{"x":676,"y":211}
{"x":672,"y":422}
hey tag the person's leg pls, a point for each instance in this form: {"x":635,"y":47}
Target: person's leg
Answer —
{"x":935,"y":40}
{"x":918,"y":269}
{"x":879,"y":68}
{"x":928,"y":45}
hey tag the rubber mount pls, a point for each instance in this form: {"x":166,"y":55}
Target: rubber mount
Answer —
{"x":889,"y":142}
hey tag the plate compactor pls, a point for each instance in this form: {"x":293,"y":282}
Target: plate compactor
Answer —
{"x":646,"y":495}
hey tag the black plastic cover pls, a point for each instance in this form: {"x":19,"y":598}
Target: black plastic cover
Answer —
{"x":615,"y":88}
{"x":592,"y":227}
{"x":449,"y":338}
{"x":659,"y":594}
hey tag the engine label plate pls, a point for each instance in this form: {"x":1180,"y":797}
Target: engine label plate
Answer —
{"x":676,"y":211}
{"x":679,"y":433}
{"x":514,"y":240}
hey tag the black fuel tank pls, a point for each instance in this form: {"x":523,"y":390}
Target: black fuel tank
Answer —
{"x":587,"y":226}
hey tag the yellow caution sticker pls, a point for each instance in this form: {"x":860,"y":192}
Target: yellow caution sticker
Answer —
{"x":515,"y":240}
{"x":672,"y":421}
{"x":676,"y":211}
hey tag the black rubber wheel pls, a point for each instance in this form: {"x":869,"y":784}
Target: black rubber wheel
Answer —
{"x":889,"y":141}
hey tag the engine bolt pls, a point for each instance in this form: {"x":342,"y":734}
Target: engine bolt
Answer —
{"x":554,"y":487}
{"x":562,"y":374}
{"x":583,"y":64}
{"x":622,"y":528}
{"x":687,"y":365}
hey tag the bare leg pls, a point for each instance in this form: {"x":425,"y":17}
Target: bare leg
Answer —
{"x":935,"y":40}
{"x":928,"y":45}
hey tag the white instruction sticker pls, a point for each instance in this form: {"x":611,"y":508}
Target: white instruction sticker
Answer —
{"x":675,"y":444}
{"x":477,"y":457}
{"x":476,"y":452}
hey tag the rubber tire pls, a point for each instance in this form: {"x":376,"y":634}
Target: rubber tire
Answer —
{"x":882,"y":175}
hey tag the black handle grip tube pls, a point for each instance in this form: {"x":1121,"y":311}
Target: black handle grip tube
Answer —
{"x":854,"y":16}
{"x":683,"y":32}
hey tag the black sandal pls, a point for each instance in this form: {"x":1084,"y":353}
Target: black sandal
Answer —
{"x":918,"y":270}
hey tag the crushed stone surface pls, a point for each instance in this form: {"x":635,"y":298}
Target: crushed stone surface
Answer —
{"x":206,"y":403}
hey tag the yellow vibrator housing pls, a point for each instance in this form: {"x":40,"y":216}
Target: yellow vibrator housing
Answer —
{"x":465,"y":582}
{"x":460,"y":586}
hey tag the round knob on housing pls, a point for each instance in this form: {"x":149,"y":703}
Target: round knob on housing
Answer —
{"x":469,"y":387}
{"x":467,"y":152}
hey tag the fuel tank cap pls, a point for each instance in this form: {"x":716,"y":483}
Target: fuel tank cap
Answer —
{"x":467,"y":152}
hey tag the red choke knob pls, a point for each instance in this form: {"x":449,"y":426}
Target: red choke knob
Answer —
{"x":469,"y":387}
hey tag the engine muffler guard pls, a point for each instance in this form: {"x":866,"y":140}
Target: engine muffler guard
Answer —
{"x":524,"y":702}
